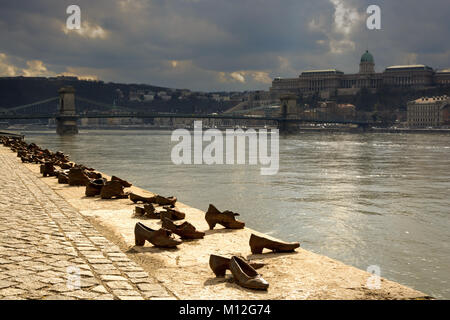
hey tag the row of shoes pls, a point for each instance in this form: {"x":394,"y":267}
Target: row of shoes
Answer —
{"x":31,"y":153}
{"x":96,"y":185}
{"x":70,"y":173}
{"x":243,"y":271}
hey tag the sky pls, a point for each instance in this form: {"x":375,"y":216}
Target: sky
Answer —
{"x":216,"y":45}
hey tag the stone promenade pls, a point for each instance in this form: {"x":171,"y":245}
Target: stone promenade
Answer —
{"x":49,"y":251}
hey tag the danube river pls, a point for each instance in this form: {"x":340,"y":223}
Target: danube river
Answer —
{"x":365,"y":199}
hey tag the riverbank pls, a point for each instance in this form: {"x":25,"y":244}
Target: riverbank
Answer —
{"x":186,"y":274}
{"x":331,"y":129}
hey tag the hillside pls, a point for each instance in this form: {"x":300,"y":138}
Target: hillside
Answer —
{"x":18,"y":91}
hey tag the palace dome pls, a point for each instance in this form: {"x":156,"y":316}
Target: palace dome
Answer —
{"x":367,"y":57}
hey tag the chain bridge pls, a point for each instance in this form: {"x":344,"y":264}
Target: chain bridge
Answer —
{"x":63,"y":109}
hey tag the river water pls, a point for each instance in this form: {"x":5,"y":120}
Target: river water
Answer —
{"x":364,"y":199}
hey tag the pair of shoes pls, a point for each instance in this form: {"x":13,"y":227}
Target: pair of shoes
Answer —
{"x":148,"y":211}
{"x":226,"y":219}
{"x":157,"y":199}
{"x":159,"y":238}
{"x":257,"y":245}
{"x":219,"y":265}
{"x":243,"y":272}
{"x":185,"y":230}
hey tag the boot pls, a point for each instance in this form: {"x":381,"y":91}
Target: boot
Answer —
{"x":226,"y":219}
{"x":257,"y":244}
{"x":185,"y":230}
{"x":159,"y":238}
{"x":63,"y":178}
{"x":94,"y":187}
{"x":77,"y":177}
{"x":48,"y":169}
{"x":113,"y":189}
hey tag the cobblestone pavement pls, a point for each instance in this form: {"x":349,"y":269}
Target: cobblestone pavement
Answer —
{"x":49,"y":251}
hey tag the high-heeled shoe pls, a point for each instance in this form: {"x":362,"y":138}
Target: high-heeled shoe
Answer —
{"x":227,"y":218}
{"x":185,"y":230}
{"x":257,"y":244}
{"x":219,"y":265}
{"x":159,"y":238}
{"x":246,"y":276}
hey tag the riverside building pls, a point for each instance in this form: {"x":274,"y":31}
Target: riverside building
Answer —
{"x":332,"y":82}
{"x":429,"y":112}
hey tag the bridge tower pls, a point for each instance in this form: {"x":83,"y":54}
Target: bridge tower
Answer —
{"x":289,"y":110}
{"x":66,"y":119}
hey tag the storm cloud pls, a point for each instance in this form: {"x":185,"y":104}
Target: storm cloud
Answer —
{"x":213,"y":44}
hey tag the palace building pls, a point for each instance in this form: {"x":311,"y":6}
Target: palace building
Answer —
{"x":332,"y":82}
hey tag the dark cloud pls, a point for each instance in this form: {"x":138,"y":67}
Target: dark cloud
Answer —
{"x":201,"y":44}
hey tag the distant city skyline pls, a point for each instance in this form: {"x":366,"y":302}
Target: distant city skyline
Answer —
{"x":206,"y":45}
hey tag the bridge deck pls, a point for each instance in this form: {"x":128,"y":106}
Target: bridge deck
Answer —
{"x":189,"y":116}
